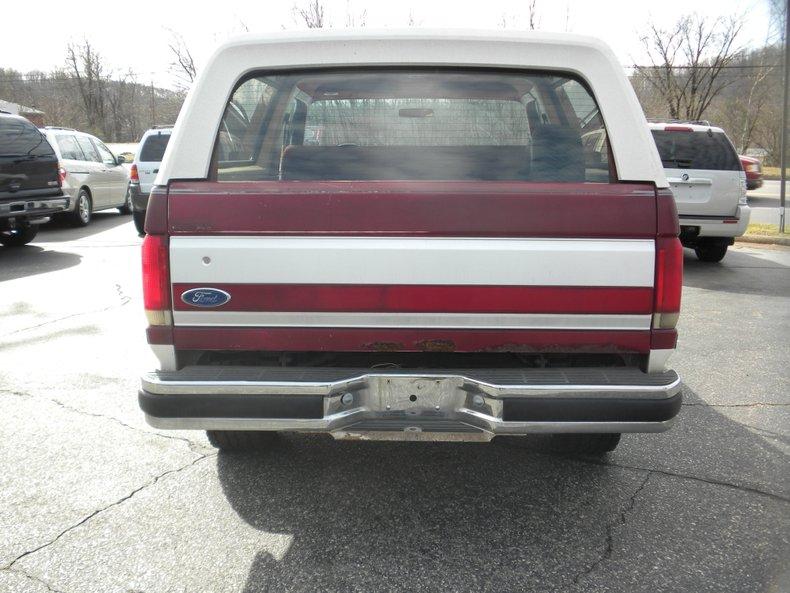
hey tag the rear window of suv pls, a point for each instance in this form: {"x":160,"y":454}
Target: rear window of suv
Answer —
{"x":416,"y":124}
{"x":19,"y":138}
{"x":696,"y":150}
{"x":153,"y":150}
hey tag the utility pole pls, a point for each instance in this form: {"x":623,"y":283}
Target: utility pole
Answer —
{"x":783,"y":149}
{"x":153,"y":106}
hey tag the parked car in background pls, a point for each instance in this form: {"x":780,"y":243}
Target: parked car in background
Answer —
{"x":30,"y":188}
{"x":709,"y":185}
{"x":399,"y":235}
{"x":91,"y":174}
{"x":754,"y":171}
{"x":150,"y":152}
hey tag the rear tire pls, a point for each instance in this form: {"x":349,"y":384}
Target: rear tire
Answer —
{"x":19,"y":237}
{"x":240,"y":440}
{"x":139,"y":221}
{"x":83,"y":209}
{"x":127,"y":204}
{"x":587,"y":444}
{"x":711,"y":250}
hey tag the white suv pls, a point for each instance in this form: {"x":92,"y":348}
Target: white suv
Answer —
{"x":150,"y":152}
{"x":91,"y":174}
{"x":708,"y":183}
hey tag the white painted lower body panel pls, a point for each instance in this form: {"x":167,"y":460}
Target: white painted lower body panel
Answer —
{"x":410,"y":260}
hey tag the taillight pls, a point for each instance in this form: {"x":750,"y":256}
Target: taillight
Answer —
{"x":668,"y":283}
{"x":134,"y":177}
{"x":156,"y":280}
{"x":678,"y":129}
{"x":62,"y":174}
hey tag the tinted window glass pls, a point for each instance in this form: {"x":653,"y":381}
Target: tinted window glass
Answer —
{"x":154,"y":148}
{"x":696,"y":150}
{"x":88,"y":149}
{"x":69,"y":149}
{"x":21,"y":138}
{"x":389,"y":124}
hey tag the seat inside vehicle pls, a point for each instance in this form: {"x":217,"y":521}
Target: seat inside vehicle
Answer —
{"x":555,"y":155}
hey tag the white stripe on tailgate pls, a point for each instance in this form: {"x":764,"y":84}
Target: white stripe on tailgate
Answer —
{"x":421,"y":320}
{"x":412,"y":260}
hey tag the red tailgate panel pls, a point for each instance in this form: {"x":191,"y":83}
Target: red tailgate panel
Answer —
{"x":430,"y":209}
{"x":406,"y":208}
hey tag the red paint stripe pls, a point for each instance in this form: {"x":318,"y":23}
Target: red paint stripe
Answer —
{"x":159,"y":334}
{"x":664,"y":339}
{"x":408,"y":340}
{"x":404,"y":208}
{"x":426,"y":299}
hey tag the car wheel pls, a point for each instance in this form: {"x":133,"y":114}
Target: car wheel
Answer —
{"x":711,"y":251}
{"x":139,"y":221}
{"x":83,"y":209}
{"x":240,"y":440}
{"x":19,"y":237}
{"x":127,"y":203}
{"x":587,"y":444}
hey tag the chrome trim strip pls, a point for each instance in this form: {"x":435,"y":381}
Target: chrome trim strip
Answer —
{"x":154,"y":385}
{"x":495,"y":426}
{"x":402,"y":320}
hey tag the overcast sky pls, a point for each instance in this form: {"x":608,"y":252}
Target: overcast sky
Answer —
{"x":134,"y":35}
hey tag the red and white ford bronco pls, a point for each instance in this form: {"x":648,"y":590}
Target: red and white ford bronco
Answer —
{"x":403,"y":235}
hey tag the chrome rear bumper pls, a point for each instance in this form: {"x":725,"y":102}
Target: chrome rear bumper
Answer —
{"x":434,"y":405}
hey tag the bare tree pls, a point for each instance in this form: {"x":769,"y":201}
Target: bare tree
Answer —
{"x":506,"y":21}
{"x":687,"y":62}
{"x":358,"y":19}
{"x":777,"y":9}
{"x":183,"y":65}
{"x":85,"y":65}
{"x":412,"y":22}
{"x":534,"y":21}
{"x":311,"y":13}
{"x":509,"y":21}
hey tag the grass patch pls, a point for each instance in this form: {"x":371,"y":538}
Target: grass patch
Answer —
{"x":767,"y":230}
{"x":774,"y":172}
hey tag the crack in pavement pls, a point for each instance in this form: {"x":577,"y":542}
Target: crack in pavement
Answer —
{"x":610,"y":528}
{"x":125,"y":300}
{"x":710,"y":481}
{"x":192,"y":446}
{"x":84,"y":520}
{"x":751,"y":405}
{"x":32,"y":577}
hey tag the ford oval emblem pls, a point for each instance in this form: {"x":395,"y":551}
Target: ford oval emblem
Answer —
{"x":205,"y":297}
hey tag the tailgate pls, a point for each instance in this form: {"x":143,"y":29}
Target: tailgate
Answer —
{"x":412,"y":266}
{"x":147,"y":172}
{"x":705,"y":192}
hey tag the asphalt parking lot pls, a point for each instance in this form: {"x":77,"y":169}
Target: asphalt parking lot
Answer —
{"x":93,"y":500}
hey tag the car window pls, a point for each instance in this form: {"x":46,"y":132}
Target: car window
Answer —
{"x":107,"y":157}
{"x":69,"y":148}
{"x":153,"y":149}
{"x":88,"y":149}
{"x":21,"y":138}
{"x":388,"y":124}
{"x":696,"y":150}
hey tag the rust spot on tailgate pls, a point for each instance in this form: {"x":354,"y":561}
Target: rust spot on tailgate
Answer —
{"x":384,"y":346}
{"x":556,"y":348}
{"x":436,"y":345}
